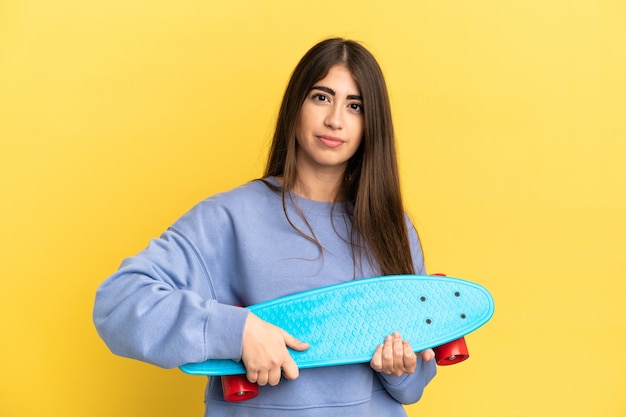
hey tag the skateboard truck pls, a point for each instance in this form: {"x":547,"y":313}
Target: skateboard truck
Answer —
{"x":451,"y":352}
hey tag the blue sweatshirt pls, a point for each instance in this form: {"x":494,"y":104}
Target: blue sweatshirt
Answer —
{"x":173,"y":303}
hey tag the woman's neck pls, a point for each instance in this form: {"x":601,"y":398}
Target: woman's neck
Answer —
{"x":319,"y":187}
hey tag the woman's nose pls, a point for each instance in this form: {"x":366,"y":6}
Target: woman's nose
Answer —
{"x":334,"y":118}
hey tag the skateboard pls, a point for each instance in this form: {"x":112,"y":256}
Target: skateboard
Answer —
{"x":344,"y":323}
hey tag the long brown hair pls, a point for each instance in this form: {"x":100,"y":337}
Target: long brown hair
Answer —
{"x":371,"y":183}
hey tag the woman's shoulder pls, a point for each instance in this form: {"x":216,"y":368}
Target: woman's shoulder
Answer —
{"x":244,"y":200}
{"x":254,"y":192}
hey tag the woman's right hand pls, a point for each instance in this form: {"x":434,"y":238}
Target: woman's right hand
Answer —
{"x":265,"y":354}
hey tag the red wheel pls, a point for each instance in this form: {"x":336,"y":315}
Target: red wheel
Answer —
{"x":452,"y":352}
{"x":237,"y":388}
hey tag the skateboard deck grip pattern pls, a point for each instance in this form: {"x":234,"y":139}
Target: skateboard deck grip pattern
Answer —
{"x":345,"y":322}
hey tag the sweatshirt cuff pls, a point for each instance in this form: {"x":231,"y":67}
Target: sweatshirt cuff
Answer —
{"x":224,"y":332}
{"x":392,"y":380}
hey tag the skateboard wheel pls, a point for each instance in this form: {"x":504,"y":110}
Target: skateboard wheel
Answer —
{"x":237,"y":388}
{"x":452,"y":352}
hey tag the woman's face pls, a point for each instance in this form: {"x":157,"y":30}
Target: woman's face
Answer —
{"x":330,"y":126}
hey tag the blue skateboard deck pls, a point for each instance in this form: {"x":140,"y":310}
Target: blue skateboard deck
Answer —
{"x":344,"y":323}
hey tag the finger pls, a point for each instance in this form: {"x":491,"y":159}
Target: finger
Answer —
{"x":396,"y":367}
{"x":388,"y":348}
{"x":294,"y":343}
{"x":427,"y":355}
{"x":387,"y":355}
{"x":262,"y":378}
{"x":251,"y":376}
{"x":377,"y":359}
{"x":289,"y":368}
{"x":409,"y":359}
{"x":273,"y":376}
{"x":398,"y":347}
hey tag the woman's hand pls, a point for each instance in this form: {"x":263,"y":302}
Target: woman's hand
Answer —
{"x":396,"y":357}
{"x":265,"y":354}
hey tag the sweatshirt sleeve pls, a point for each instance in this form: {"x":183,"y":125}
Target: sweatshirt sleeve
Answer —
{"x":408,"y":389}
{"x":159,"y":307}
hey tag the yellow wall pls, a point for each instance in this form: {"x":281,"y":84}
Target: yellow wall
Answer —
{"x":116,"y":116}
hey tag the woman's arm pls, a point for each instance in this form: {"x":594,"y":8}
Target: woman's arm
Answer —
{"x":159,"y":307}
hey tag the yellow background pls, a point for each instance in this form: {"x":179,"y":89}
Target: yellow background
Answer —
{"x":117,"y":116}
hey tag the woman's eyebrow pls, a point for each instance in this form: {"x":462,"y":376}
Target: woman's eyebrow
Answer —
{"x":332,"y":92}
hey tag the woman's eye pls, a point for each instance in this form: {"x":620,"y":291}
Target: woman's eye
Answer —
{"x":356,"y":107}
{"x":319,"y":97}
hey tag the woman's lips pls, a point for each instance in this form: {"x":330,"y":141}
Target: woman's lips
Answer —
{"x":331,"y":141}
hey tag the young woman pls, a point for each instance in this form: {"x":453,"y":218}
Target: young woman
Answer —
{"x":328,"y":209}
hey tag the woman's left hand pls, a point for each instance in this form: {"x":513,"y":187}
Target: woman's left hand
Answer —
{"x":396,"y":357}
